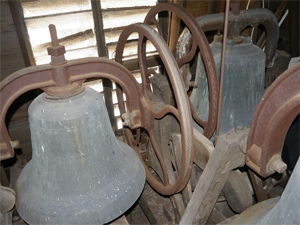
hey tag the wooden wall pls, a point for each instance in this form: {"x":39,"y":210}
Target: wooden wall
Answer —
{"x":11,"y":55}
{"x":200,"y":7}
{"x":11,"y":61}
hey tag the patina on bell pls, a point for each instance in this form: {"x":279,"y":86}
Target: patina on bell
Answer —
{"x":79,"y":172}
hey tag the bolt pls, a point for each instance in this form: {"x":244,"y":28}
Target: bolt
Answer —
{"x":22,"y":164}
{"x":56,"y":51}
{"x":15,"y":144}
{"x":193,"y":85}
{"x":277,"y":165}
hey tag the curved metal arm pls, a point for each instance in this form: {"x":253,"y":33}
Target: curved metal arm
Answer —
{"x":236,"y":24}
{"x":75,"y":71}
{"x":274,"y":115}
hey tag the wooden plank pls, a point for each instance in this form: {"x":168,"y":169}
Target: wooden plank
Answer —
{"x":3,"y":178}
{"x":120,"y":221}
{"x":226,"y":157}
{"x":18,"y":17}
{"x":81,"y":39}
{"x":74,"y":23}
{"x":11,"y":55}
{"x":112,"y":35}
{"x":123,"y":18}
{"x":20,"y":132}
{"x":151,"y":61}
{"x":294,"y":24}
{"x":108,"y":4}
{"x":66,"y":25}
{"x":45,"y":7}
{"x":70,"y":54}
{"x":153,"y":206}
{"x":102,"y":51}
{"x":213,"y":7}
{"x":175,"y":27}
{"x":7,"y":23}
{"x":9,"y":42}
{"x":203,"y":149}
{"x":97,"y":15}
{"x":130,"y":49}
{"x":14,"y":63}
{"x":198,"y":8}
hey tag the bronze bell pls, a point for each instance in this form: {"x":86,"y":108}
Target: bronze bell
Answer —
{"x":79,"y":172}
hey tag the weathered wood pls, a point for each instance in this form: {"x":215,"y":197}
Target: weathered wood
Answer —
{"x":153,"y":60}
{"x":120,"y":221}
{"x":214,"y":7}
{"x":70,"y":54}
{"x":34,"y":8}
{"x":294,"y":23}
{"x":130,"y":49}
{"x":7,"y":23}
{"x":153,"y":206}
{"x":226,"y":156}
{"x":76,"y":40}
{"x":203,"y":149}
{"x":108,"y":4}
{"x":112,"y":19}
{"x":198,"y":8}
{"x":18,"y":18}
{"x":112,"y":35}
{"x":102,"y":52}
{"x":97,"y":15}
{"x":3,"y":178}
{"x":11,"y":55}
{"x":66,"y":25}
{"x":174,"y":28}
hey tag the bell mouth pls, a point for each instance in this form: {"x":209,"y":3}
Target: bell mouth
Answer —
{"x":79,"y":173}
{"x":102,"y":205}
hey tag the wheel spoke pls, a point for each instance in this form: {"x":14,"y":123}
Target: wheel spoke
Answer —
{"x":165,"y":110}
{"x":142,"y":61}
{"x":196,"y":117}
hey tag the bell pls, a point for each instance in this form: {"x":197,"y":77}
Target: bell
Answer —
{"x":79,"y":172}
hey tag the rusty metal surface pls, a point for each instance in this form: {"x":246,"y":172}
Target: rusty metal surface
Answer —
{"x":275,"y":113}
{"x":182,"y":112}
{"x":236,"y":24}
{"x":199,"y":41}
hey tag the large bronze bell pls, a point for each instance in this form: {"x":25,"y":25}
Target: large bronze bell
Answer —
{"x":79,"y":172}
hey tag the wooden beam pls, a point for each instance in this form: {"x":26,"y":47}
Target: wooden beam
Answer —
{"x":3,"y":178}
{"x":294,"y":24}
{"x":214,"y":6}
{"x":151,"y":61}
{"x":102,"y":52}
{"x":22,"y":32}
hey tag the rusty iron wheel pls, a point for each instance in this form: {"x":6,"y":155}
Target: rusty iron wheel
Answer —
{"x":182,"y":112}
{"x":199,"y":41}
